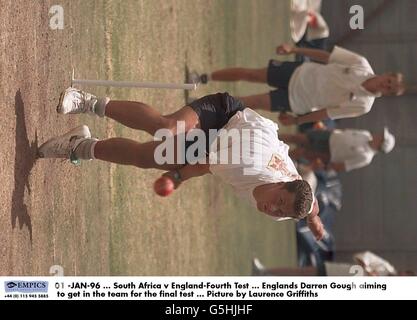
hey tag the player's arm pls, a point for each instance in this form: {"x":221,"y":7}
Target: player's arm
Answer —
{"x":194,"y":170}
{"x":315,"y":54}
{"x":187,"y":172}
{"x":314,"y":222}
{"x":341,"y":112}
{"x":336,"y":166}
{"x":315,"y":116}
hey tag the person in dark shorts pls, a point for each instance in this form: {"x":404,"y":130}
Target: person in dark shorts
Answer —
{"x":263,"y":173}
{"x":308,"y":28}
{"x":340,"y":149}
{"x":213,"y":112}
{"x":340,"y":84}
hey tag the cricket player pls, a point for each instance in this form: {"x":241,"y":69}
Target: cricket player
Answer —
{"x":268,"y":178}
{"x":341,"y":84}
{"x":340,"y":149}
{"x":308,"y":27}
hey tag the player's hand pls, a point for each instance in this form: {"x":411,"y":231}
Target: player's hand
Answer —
{"x":285,"y":49}
{"x":319,"y":125}
{"x":316,"y":227}
{"x":287,"y":119}
{"x":172,"y":176}
{"x":314,"y":222}
{"x":317,"y":165}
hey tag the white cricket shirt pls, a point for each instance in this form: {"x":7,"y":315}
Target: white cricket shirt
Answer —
{"x":351,"y":147}
{"x":336,"y":86}
{"x":262,"y":159}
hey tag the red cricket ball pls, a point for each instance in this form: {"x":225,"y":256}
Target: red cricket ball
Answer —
{"x":319,"y":126}
{"x":163,"y":186}
{"x":313,"y":22}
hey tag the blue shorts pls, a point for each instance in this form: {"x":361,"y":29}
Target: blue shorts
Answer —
{"x":278,"y":76}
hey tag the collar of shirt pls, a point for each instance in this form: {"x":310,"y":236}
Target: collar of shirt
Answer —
{"x":374,"y":152}
{"x":360,"y":91}
{"x":368,"y":146}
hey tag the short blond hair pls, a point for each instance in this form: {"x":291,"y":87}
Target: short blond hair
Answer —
{"x":399,"y":86}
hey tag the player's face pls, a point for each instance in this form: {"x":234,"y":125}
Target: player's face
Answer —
{"x":281,"y":206}
{"x":389,"y":85}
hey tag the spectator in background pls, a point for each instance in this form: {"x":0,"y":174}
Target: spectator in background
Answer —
{"x":308,"y":27}
{"x":365,"y":263}
{"x":339,"y":150}
{"x":342,"y":85}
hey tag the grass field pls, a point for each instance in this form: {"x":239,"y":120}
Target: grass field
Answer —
{"x":101,"y":219}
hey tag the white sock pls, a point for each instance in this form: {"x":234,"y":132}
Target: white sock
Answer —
{"x":85,"y":149}
{"x":100,"y":107}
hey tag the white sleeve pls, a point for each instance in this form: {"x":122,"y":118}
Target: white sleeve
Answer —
{"x":357,"y":162}
{"x":342,"y":56}
{"x":350,"y":111}
{"x":281,"y":219}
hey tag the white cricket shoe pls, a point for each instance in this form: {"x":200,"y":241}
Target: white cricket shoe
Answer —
{"x":258,"y":268}
{"x":64,"y":146}
{"x":73,"y":100}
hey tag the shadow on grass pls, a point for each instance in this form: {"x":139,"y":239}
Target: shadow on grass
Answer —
{"x":25,"y":159}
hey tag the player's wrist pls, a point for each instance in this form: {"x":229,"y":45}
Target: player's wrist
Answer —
{"x":296,"y":121}
{"x":312,"y":217}
{"x":176,"y":174}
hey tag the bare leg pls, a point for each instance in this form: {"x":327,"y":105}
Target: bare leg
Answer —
{"x":129,"y":152}
{"x":260,"y":101}
{"x":299,"y":139}
{"x":237,"y":74}
{"x":140,"y":116}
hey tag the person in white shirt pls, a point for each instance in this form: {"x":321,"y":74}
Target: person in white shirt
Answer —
{"x":259,"y":168}
{"x":340,"y":149}
{"x":308,"y":27}
{"x":341,"y":85}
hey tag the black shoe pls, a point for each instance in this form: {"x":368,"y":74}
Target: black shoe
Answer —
{"x":194,"y":77}
{"x":204,"y":78}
